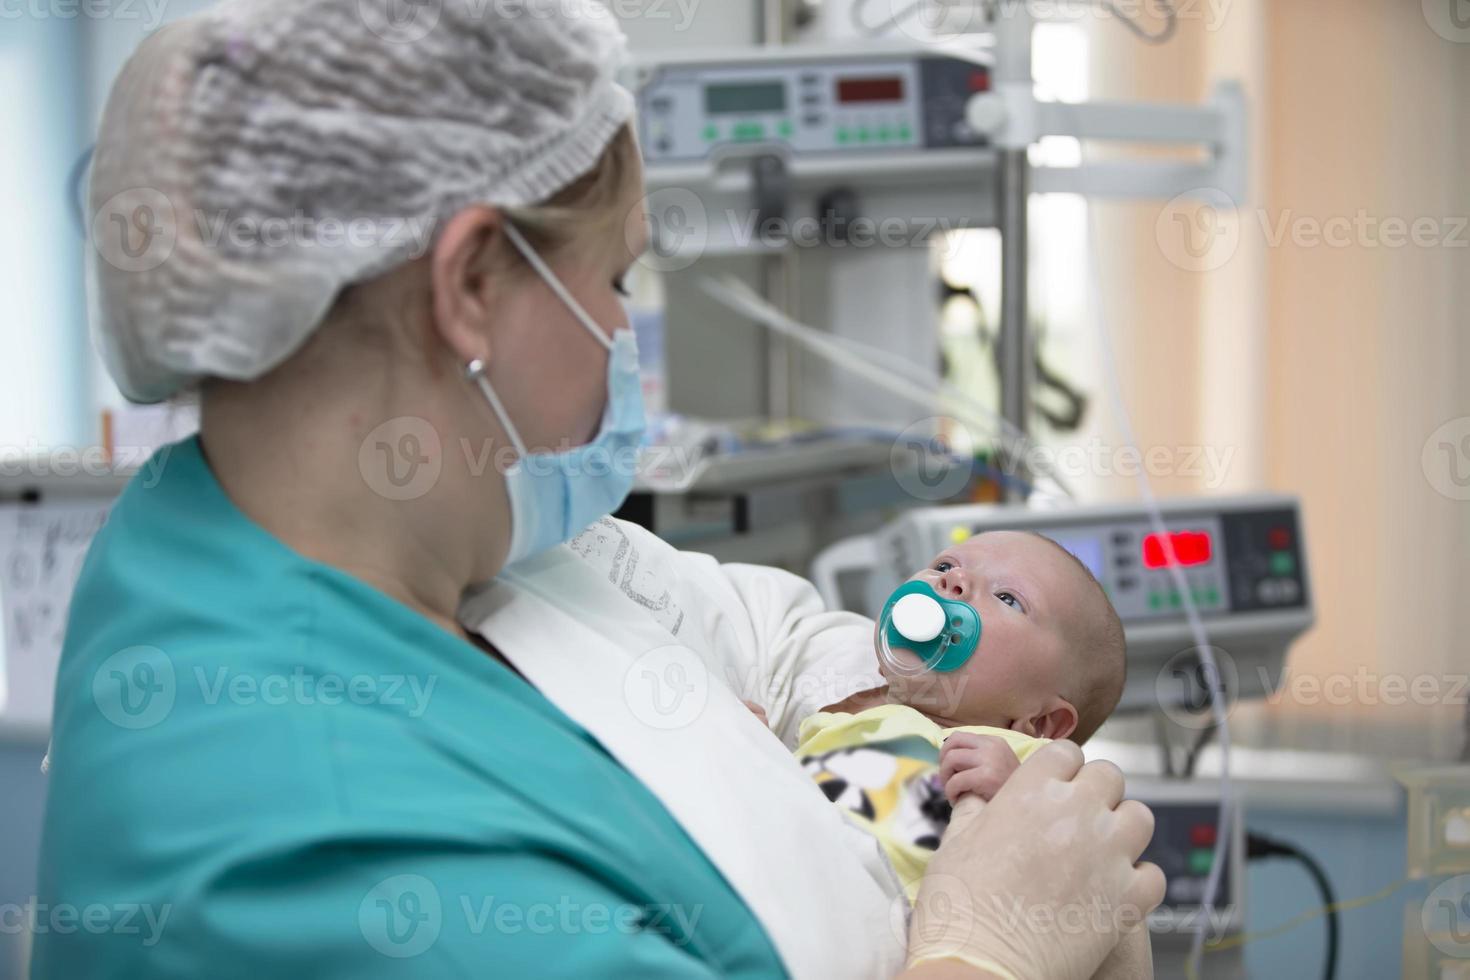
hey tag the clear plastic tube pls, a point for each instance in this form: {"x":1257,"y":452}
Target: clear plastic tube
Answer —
{"x":907,"y":381}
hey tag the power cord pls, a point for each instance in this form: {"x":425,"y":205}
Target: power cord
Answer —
{"x":1260,"y":847}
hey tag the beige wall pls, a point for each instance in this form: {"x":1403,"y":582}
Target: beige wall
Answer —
{"x":1326,"y":368}
{"x":1367,"y":345}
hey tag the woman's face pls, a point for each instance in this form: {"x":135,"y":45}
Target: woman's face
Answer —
{"x":550,"y":372}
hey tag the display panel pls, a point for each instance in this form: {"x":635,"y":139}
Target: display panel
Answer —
{"x":888,"y":88}
{"x":1190,"y":548}
{"x":757,"y":97}
{"x":1088,"y":550}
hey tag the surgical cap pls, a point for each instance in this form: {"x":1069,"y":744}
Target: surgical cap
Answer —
{"x":258,"y":158}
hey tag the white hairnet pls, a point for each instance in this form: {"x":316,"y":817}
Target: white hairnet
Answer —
{"x":256,"y":159}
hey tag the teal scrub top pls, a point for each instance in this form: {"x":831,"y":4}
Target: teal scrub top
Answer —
{"x":263,"y":767}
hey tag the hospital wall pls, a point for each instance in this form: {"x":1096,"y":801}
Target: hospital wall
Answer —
{"x":1322,"y":368}
{"x":22,"y":802}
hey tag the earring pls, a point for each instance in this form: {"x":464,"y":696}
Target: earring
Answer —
{"x":475,"y":370}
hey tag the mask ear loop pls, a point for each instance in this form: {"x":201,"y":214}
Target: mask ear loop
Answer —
{"x":550,"y":278}
{"x":475,"y":371}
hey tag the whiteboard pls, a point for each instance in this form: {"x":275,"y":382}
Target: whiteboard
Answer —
{"x":42,"y":547}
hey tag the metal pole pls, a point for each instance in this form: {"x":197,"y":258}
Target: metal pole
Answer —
{"x":1015,"y":364}
{"x":775,"y":270}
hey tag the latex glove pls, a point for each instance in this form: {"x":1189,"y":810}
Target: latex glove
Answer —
{"x":1038,"y":883}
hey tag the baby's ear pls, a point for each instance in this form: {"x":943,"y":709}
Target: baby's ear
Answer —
{"x":1058,"y":721}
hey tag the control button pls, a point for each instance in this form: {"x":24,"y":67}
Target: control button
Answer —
{"x":661,"y":103}
{"x":1123,"y":561}
{"x":812,"y":119}
{"x":1121,"y":537}
{"x":1174,"y":600}
{"x":1266,"y":591}
{"x":811,"y":98}
{"x":1283,"y":563}
{"x":864,"y":134}
{"x":1288,"y":590}
{"x":1279,"y":538}
{"x":962,"y":132}
{"x":749,"y":131}
{"x":711,"y":132}
{"x":1212,"y":596}
{"x":811,"y":79}
{"x":905,"y":133}
{"x":1156,"y":600}
{"x":1200,"y":861}
{"x":1126,"y":582}
{"x":884,"y":134}
{"x":979,"y":81}
{"x":784,"y":127}
{"x":843,"y":136}
{"x":665,"y":145}
{"x":1202,"y":835}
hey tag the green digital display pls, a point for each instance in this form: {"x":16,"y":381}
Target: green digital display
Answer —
{"x":745,"y":97}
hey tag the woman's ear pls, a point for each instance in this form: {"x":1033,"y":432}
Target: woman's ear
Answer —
{"x":460,"y":275}
{"x":1058,"y":721}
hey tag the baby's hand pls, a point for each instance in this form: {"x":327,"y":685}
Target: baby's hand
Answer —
{"x":979,"y":764}
{"x":758,"y":711}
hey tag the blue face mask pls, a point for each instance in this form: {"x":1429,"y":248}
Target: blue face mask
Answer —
{"x":554,"y":496}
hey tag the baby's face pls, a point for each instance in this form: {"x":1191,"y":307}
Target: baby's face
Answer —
{"x":1022,"y":586}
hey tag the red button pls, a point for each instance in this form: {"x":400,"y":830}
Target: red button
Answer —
{"x":1280,"y":538}
{"x":980,"y":81}
{"x":1202,"y":835}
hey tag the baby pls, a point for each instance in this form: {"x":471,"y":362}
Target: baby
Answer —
{"x":1049,"y":665}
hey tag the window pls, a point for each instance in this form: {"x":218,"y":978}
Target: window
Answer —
{"x":44,"y":398}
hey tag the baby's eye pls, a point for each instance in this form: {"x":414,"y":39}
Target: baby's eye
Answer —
{"x":943,"y":565}
{"x":1009,"y":599}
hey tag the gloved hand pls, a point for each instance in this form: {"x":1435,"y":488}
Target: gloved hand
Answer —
{"x":1037,"y":883}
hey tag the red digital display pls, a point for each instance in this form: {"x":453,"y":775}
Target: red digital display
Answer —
{"x":886,"y":89}
{"x":1190,"y":548}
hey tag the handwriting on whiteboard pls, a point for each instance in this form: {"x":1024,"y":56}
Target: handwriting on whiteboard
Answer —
{"x":42,"y":548}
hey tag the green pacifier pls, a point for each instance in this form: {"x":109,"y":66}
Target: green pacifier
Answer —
{"x":941,"y":633}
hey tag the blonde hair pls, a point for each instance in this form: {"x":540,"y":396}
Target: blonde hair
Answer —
{"x":598,"y":203}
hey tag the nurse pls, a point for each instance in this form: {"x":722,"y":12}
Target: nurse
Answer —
{"x":337,"y":699}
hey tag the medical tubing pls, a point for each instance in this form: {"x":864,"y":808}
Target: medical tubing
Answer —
{"x":857,"y":15}
{"x":1011,"y":438}
{"x":871,"y":364}
{"x":1203,"y":650}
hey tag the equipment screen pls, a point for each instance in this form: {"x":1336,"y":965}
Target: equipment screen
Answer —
{"x":1190,"y":548}
{"x":1088,"y":550}
{"x":883,"y":89}
{"x":759,"y":97}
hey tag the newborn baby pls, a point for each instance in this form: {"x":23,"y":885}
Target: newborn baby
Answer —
{"x":1049,"y":665}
